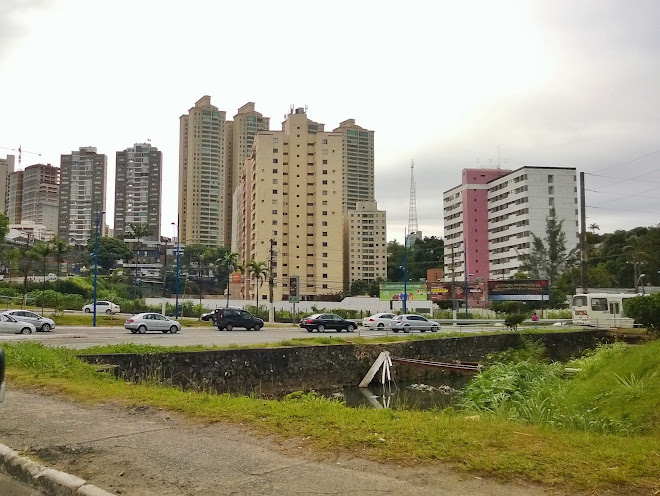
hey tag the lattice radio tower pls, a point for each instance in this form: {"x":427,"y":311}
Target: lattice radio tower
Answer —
{"x":412,"y":211}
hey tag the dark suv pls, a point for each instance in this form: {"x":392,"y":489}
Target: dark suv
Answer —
{"x":228,"y":318}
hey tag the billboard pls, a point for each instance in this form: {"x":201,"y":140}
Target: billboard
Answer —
{"x":441,"y":291}
{"x":519,"y":289}
{"x":393,"y":291}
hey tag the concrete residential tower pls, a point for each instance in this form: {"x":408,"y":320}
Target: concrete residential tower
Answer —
{"x":293,"y":196}
{"x":34,"y":196}
{"x":6,"y":168}
{"x":489,"y":219}
{"x":138,"y":183}
{"x":239,"y":135}
{"x":82,"y":194}
{"x":203,"y":176}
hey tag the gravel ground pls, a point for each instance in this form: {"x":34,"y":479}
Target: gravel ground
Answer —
{"x":147,"y":452}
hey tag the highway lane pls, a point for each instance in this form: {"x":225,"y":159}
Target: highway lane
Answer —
{"x":84,"y":337}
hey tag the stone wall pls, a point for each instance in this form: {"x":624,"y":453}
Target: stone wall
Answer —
{"x":286,"y":369}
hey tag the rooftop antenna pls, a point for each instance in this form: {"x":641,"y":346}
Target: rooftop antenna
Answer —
{"x":498,"y":157}
{"x":412,"y":212}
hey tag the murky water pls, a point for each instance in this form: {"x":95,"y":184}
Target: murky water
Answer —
{"x":403,"y":396}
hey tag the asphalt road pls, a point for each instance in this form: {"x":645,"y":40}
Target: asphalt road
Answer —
{"x":84,"y":337}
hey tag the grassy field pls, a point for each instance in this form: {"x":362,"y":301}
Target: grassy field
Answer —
{"x":621,"y":385}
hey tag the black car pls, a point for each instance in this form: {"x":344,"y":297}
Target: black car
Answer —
{"x":208,"y":317}
{"x":228,"y":318}
{"x":322,"y":321}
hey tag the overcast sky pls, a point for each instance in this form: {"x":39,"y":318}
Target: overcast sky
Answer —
{"x":450,"y":84}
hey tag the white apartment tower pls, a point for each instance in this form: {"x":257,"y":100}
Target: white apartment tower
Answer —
{"x":203,"y":176}
{"x":293,"y":202}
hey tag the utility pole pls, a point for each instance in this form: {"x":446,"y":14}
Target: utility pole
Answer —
{"x":583,"y":237}
{"x":453,"y":292}
{"x":271,"y":282}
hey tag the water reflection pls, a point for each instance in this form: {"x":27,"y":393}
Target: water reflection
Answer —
{"x":403,"y":396}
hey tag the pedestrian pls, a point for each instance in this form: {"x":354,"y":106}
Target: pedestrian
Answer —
{"x":535,"y":319}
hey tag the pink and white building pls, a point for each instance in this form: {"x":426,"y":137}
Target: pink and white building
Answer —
{"x":490,"y":217}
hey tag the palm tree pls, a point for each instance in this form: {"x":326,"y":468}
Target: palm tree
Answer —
{"x":259,"y":271}
{"x":594,"y":227}
{"x":60,"y":248}
{"x":230,"y":262}
{"x":42,"y":251}
{"x":138,"y":231}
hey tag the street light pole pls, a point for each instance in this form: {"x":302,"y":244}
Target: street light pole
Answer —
{"x":465,"y":272}
{"x":638,"y":283}
{"x":176,"y":298}
{"x":405,"y":270}
{"x":96,"y":259}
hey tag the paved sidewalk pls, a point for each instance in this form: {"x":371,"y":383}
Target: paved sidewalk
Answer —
{"x":147,"y":452}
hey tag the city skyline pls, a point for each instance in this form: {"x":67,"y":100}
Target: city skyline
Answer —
{"x":464,"y":86}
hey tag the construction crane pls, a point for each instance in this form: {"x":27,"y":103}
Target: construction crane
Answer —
{"x":20,"y":152}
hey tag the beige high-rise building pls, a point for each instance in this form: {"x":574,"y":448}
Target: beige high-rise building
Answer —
{"x":34,"y":196}
{"x":203,"y":176}
{"x":358,"y":163}
{"x":239,"y":136}
{"x":365,"y":225}
{"x":293,"y":196}
{"x":6,"y":168}
{"x":366,"y":242}
{"x":138,"y":182}
{"x":83,"y":176}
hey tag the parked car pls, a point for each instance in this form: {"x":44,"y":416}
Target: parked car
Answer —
{"x":3,"y":386}
{"x":102,"y":306}
{"x":10,"y":324}
{"x":150,"y":321}
{"x":322,"y":321}
{"x":378,"y":321}
{"x":411,"y":322}
{"x":41,"y":323}
{"x":228,"y":318}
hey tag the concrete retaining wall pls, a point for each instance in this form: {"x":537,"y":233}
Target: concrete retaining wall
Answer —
{"x":281,"y":370}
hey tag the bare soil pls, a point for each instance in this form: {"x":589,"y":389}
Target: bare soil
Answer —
{"x":144,"y":452}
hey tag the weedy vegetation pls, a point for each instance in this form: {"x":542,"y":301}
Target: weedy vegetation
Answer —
{"x":595,"y":430}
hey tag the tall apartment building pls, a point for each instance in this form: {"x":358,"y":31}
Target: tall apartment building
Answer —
{"x":83,"y":176}
{"x":365,"y":250}
{"x":357,"y":163}
{"x":7,"y":166}
{"x":14,"y":199}
{"x":293,"y":196}
{"x":366,"y":241}
{"x":138,"y":183}
{"x":239,"y":136}
{"x":491,"y":216}
{"x":203,"y":176}
{"x":33,"y":197}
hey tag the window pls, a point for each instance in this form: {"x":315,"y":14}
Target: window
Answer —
{"x":324,"y":141}
{"x":274,"y":160}
{"x":274,"y":140}
{"x":599,"y":304}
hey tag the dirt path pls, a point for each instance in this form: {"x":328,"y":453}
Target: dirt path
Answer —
{"x":146,"y":452}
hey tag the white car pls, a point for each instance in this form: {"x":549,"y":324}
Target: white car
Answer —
{"x":102,"y":306}
{"x":41,"y":323}
{"x":10,"y":324}
{"x":411,"y":322}
{"x":378,"y":321}
{"x":151,"y":321}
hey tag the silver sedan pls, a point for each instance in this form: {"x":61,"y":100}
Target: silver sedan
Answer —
{"x":10,"y":324}
{"x":150,"y":321}
{"x":412,"y":322}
